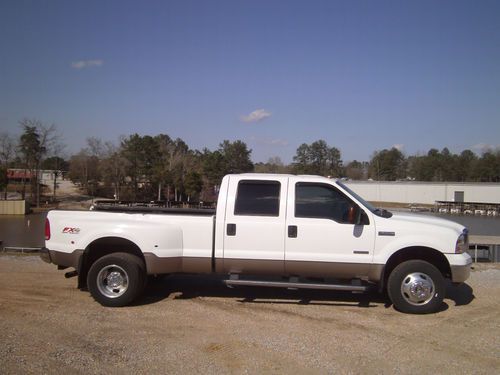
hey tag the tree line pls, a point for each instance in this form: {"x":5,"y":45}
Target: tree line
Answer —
{"x":437,"y":166}
{"x":144,"y":167}
{"x":392,"y":165}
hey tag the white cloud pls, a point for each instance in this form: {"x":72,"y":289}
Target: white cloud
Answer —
{"x":256,"y":116}
{"x":82,"y":64}
{"x":399,"y":146}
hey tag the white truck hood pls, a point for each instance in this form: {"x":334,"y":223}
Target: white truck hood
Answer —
{"x":402,"y":229}
{"x":426,"y":220}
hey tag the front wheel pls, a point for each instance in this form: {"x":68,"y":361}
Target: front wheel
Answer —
{"x":416,"y":287}
{"x":116,"y":279}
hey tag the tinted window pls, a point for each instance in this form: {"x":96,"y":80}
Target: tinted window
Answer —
{"x":322,"y":202}
{"x":260,"y":198}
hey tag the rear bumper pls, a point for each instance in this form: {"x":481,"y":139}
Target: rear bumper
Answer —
{"x":45,"y":255}
{"x":60,"y":258}
{"x":460,"y":265}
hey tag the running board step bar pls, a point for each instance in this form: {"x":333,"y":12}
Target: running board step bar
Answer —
{"x":296,"y":285}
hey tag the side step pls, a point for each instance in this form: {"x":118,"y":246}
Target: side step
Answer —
{"x":295,"y":285}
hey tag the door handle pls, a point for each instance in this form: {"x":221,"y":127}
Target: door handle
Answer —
{"x":292,"y":231}
{"x":231,"y":230}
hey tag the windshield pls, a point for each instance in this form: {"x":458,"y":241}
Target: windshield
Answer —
{"x":374,"y":210}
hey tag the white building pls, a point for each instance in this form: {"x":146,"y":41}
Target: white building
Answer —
{"x":426,"y":192}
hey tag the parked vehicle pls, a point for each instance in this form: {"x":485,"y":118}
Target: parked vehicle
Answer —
{"x":267,"y":230}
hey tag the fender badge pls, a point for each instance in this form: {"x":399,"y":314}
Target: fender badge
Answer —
{"x":70,"y":230}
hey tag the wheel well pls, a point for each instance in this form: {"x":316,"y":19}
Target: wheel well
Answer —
{"x":427,"y":254}
{"x":102,"y":247}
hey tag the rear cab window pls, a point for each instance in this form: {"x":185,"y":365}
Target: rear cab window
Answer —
{"x":258,"y":198}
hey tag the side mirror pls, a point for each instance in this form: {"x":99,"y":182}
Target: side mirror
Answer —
{"x":357,"y":216}
{"x":362,"y":218}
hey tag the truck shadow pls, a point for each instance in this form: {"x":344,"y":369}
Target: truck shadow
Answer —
{"x":461,"y":294}
{"x":192,"y":287}
{"x":195,"y":286}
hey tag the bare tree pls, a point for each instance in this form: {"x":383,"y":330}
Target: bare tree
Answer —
{"x":56,"y":163}
{"x":96,"y":147}
{"x":113,"y":167}
{"x":7,"y":152}
{"x":7,"y":148}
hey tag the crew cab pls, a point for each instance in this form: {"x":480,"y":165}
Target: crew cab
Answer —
{"x":267,"y":230}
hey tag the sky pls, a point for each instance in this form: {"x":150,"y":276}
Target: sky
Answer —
{"x":362,"y":75}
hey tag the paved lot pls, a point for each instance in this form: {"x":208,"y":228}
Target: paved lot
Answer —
{"x":196,"y":325}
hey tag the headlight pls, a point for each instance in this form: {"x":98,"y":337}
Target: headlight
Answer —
{"x":462,"y":243}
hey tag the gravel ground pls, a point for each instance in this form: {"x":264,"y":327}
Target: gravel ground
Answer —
{"x":196,"y":325}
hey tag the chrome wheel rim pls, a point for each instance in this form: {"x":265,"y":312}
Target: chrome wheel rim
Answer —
{"x":417,"y":288}
{"x":112,"y":281}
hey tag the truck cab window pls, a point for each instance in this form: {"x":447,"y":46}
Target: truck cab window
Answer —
{"x":322,"y":201}
{"x":258,"y":198}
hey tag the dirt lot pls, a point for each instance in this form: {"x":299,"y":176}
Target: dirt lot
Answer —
{"x":196,"y":325}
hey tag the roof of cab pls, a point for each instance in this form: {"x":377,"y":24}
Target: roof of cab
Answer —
{"x":281,"y":175}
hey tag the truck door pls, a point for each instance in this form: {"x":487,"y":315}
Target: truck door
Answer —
{"x":254,"y":228}
{"x":322,"y":238}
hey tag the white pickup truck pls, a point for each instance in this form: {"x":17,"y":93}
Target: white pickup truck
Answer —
{"x":268,"y":230}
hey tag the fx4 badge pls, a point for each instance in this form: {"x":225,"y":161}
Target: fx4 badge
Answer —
{"x":70,"y":230}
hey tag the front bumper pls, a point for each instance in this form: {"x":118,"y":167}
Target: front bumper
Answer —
{"x":460,"y":265}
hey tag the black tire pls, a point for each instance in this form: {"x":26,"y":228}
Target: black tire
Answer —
{"x":416,"y":287}
{"x":116,"y":279}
